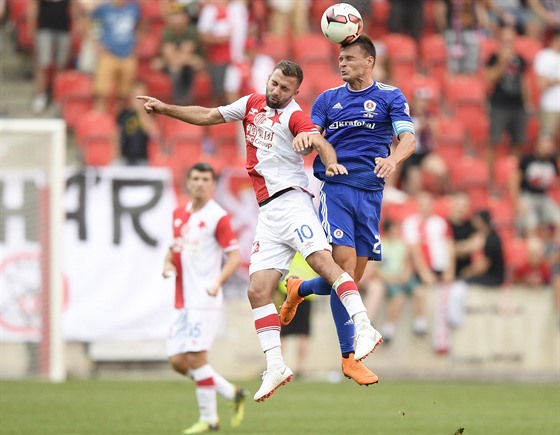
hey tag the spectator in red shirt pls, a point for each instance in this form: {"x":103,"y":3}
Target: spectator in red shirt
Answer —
{"x":535,"y":271}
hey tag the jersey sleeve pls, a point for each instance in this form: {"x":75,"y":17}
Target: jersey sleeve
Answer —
{"x":206,"y":20}
{"x":235,"y":111}
{"x":225,"y":235}
{"x":301,"y":123}
{"x":399,"y":111}
{"x":319,"y":112}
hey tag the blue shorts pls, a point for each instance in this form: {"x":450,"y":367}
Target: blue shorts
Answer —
{"x":350,"y":217}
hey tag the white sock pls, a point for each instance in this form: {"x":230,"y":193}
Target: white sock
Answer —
{"x":225,"y":388}
{"x":206,"y":393}
{"x":347,"y":291}
{"x":274,"y":358}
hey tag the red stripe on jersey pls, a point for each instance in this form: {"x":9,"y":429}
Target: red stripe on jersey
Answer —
{"x":346,"y":288}
{"x":208,"y":382}
{"x":301,"y":123}
{"x":180,"y":217}
{"x":267,"y":323}
{"x":224,"y":233}
{"x":255,"y":102}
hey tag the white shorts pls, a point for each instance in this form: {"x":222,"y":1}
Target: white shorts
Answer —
{"x":192,"y":330}
{"x":285,"y":225}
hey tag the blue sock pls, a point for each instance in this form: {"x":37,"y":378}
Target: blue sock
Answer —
{"x":343,"y":323}
{"x":316,"y":286}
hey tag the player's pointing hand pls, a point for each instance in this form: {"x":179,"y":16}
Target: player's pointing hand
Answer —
{"x":151,"y":104}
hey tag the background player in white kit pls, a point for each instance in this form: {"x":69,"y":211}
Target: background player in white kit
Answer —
{"x":202,"y":236}
{"x":287,"y":220}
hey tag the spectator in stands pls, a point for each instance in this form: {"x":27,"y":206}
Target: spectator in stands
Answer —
{"x":511,"y":13}
{"x":429,"y":239}
{"x":535,"y":271}
{"x":240,"y":66}
{"x":460,"y":21}
{"x":89,"y":33}
{"x":509,"y":99}
{"x":487,"y":268}
{"x":117,"y":62}
{"x":137,"y":128}
{"x":181,"y":53}
{"x":215,"y":30}
{"x":407,"y":16}
{"x":537,"y":173}
{"x":464,"y":245}
{"x":50,"y":23}
{"x":396,"y":276}
{"x":289,"y":16}
{"x":547,"y":14}
{"x":547,"y":69}
{"x":424,"y":160}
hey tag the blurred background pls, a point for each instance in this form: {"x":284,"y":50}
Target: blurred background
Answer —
{"x":483,"y":82}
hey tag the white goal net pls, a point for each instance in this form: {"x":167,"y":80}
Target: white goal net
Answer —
{"x":32,"y":159}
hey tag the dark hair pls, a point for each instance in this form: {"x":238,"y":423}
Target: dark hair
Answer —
{"x":290,"y":69}
{"x":486,"y":217}
{"x":366,"y":44}
{"x":202,"y":167}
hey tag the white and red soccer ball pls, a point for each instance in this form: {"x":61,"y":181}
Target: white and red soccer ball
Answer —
{"x":341,"y":23}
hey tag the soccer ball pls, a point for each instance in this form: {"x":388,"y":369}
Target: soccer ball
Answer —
{"x":341,"y":23}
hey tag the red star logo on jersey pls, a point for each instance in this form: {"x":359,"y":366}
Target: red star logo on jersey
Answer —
{"x":276,"y":118}
{"x":202,"y":224}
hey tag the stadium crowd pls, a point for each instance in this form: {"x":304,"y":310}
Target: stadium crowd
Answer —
{"x":482,"y":79}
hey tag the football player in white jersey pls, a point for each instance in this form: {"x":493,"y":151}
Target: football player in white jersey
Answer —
{"x":287,"y":220}
{"x":202,"y":237}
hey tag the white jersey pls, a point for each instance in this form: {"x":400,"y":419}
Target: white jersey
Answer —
{"x":200,"y":240}
{"x":272,"y":164}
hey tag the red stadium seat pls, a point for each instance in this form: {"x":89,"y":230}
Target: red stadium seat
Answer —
{"x":403,"y":53}
{"x":225,"y":138}
{"x":376,"y":25}
{"x":515,"y":252}
{"x":471,"y":175}
{"x":277,"y":47}
{"x":466,"y":97}
{"x":312,"y":48}
{"x":450,"y":139}
{"x":202,"y":88}
{"x":73,"y":91}
{"x":434,"y":57}
{"x":96,"y":135}
{"x":505,"y":169}
{"x":151,"y":14}
{"x":487,"y":47}
{"x":159,"y":85}
{"x":528,"y":48}
{"x":425,"y":84}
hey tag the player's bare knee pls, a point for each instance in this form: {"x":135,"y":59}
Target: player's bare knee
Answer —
{"x":179,"y":363}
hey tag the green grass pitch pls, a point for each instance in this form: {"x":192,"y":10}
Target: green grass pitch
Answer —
{"x":391,"y":407}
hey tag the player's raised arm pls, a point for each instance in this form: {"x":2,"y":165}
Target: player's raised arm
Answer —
{"x":196,"y":115}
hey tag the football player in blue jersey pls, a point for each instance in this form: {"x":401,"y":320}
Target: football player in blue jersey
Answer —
{"x":359,"y":118}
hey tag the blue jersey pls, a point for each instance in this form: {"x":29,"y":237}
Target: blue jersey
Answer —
{"x":360,"y":126}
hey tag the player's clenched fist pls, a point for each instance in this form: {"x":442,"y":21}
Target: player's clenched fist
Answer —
{"x":151,"y":104}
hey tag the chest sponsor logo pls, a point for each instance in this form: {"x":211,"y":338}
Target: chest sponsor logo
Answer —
{"x":354,"y":123}
{"x":259,"y":137}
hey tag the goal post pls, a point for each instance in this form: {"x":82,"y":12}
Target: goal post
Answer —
{"x":33,"y":149}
